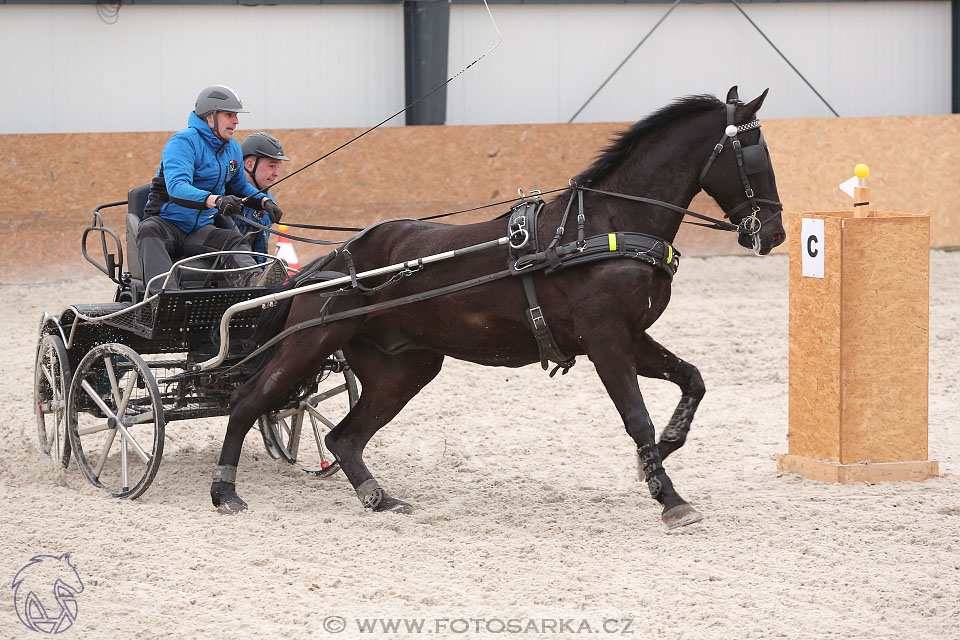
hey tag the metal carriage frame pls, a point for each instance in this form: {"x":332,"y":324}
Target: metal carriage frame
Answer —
{"x":110,"y":376}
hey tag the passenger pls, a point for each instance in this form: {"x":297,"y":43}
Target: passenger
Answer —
{"x":262,"y":155}
{"x":189,"y":191}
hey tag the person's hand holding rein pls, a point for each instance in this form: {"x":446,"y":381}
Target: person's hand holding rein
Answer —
{"x":273,"y":209}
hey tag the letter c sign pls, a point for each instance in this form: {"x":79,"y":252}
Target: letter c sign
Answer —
{"x":811,"y":237}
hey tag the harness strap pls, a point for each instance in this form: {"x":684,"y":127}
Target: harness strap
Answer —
{"x":625,"y":244}
{"x":563,"y":220}
{"x":637,"y":246}
{"x":551,"y":251}
{"x":546,"y":344}
{"x":581,"y":220}
{"x":529,"y":213}
{"x":348,"y":257}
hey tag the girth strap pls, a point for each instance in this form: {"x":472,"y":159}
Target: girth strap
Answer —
{"x":625,"y":244}
{"x":545,"y":341}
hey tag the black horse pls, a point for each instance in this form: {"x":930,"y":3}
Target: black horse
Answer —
{"x":601,"y":309}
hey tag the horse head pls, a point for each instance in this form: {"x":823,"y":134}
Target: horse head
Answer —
{"x":739,"y":176}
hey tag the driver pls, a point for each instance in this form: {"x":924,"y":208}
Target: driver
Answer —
{"x":189,"y":192}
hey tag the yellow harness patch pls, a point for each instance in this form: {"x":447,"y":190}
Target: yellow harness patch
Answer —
{"x":612,"y":239}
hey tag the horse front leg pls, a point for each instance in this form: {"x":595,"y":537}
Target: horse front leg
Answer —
{"x":619,"y":377}
{"x":655,"y":361}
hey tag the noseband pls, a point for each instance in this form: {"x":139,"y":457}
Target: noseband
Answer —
{"x":751,"y":160}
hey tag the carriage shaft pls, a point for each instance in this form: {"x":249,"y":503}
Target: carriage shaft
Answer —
{"x":273,"y":298}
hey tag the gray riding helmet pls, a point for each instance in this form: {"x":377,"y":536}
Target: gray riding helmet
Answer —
{"x":263,"y":145}
{"x":218,"y":98}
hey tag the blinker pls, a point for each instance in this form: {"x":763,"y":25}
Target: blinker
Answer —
{"x":755,"y":159}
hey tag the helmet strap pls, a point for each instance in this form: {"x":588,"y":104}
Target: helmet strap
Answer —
{"x":253,"y":174}
{"x":215,"y":127}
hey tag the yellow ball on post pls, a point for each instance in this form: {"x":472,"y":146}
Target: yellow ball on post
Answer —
{"x":861,"y":171}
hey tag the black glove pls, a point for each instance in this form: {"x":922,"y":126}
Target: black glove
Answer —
{"x":271,"y":208}
{"x":228,"y":205}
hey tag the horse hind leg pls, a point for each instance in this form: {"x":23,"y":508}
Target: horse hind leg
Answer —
{"x":388,"y":383}
{"x":294,"y":361}
{"x":655,"y":361}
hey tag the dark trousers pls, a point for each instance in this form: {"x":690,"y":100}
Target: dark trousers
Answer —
{"x":159,"y":240}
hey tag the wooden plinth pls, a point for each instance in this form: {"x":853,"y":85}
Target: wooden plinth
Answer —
{"x":823,"y":471}
{"x":859,"y":350}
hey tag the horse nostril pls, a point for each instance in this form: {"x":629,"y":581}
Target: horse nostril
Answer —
{"x":777,"y":238}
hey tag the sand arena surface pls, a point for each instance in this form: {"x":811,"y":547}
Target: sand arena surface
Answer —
{"x":524,"y":510}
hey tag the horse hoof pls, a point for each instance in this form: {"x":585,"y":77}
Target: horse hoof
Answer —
{"x":225,"y":499}
{"x":680,"y":516}
{"x":231,"y":507}
{"x":393,"y":505}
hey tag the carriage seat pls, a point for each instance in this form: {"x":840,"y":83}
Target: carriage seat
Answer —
{"x":136,"y":203}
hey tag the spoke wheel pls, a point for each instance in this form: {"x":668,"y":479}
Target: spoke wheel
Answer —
{"x":296,"y":434}
{"x":268,"y":442}
{"x":51,"y":383}
{"x":115,"y":420}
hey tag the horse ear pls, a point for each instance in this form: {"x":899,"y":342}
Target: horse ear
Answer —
{"x":754,"y":105}
{"x":732,"y":94}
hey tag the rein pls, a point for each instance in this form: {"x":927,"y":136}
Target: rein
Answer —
{"x":719,"y":225}
{"x":753,"y":159}
{"x":256,"y":224}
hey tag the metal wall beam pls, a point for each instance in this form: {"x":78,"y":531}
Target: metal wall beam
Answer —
{"x":426,"y":37}
{"x":955,"y":53}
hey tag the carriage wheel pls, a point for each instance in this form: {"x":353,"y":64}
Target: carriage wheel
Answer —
{"x":297,"y":433}
{"x":51,"y":383}
{"x":113,"y":394}
{"x":268,"y":442}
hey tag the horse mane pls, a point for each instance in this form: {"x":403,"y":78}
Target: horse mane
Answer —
{"x":624,"y":143}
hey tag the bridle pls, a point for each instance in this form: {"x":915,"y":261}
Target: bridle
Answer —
{"x":751,"y":159}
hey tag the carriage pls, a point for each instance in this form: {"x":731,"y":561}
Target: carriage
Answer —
{"x":110,"y":376}
{"x":207,"y":348}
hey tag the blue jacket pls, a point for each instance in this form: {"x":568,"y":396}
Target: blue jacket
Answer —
{"x":259,"y":241}
{"x":194,"y":165}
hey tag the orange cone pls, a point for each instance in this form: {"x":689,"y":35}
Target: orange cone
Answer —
{"x":286,"y":252}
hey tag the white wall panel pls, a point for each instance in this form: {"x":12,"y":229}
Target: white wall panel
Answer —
{"x":873,"y":58}
{"x":65,"y":70}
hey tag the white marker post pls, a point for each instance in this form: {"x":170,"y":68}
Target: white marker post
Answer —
{"x":861,"y":193}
